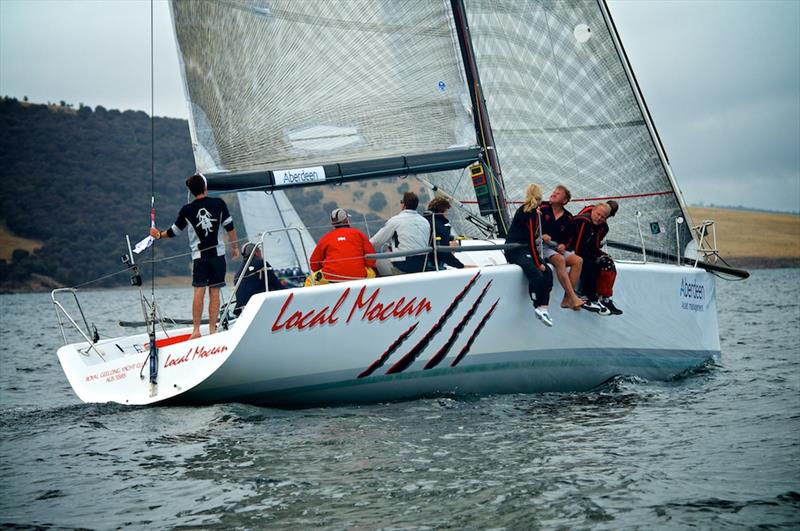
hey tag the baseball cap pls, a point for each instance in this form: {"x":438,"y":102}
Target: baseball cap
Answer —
{"x":248,"y":248}
{"x":339,"y":215}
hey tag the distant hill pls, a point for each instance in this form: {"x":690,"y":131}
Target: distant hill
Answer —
{"x":77,"y":180}
{"x":754,"y":239}
{"x":73,"y":182}
{"x":745,"y":209}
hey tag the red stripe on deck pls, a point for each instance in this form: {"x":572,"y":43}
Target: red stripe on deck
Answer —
{"x":172,"y":340}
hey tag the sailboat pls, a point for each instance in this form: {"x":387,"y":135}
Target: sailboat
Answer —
{"x":471,"y":98}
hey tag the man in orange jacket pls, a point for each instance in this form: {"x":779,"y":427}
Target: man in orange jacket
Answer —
{"x":339,"y":255}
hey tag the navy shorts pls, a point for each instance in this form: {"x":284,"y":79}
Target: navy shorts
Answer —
{"x":208,"y":272}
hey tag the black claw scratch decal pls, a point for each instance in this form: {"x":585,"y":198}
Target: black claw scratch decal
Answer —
{"x":474,"y":335}
{"x":439,"y":356}
{"x":406,"y":361}
{"x":378,"y":363}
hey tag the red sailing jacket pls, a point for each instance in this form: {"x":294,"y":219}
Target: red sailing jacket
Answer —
{"x":603,"y":228}
{"x":586,"y":236}
{"x":340,"y":254}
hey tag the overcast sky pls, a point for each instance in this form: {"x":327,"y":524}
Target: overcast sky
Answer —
{"x":721,"y":78}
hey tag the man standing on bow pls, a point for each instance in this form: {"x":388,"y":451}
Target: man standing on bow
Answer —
{"x":205,"y":215}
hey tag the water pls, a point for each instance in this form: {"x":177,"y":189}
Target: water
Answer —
{"x":719,"y":448}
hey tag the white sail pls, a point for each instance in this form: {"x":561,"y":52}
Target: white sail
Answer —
{"x":286,"y":84}
{"x":265,"y":213}
{"x":564,"y":108}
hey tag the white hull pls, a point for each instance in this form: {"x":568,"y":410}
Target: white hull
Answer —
{"x":315,"y":345}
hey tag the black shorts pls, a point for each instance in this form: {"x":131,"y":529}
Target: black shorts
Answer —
{"x":208,"y":272}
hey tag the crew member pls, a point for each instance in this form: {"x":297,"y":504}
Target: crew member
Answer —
{"x":599,"y":271}
{"x":556,"y":235}
{"x":205,"y":215}
{"x":441,"y":230}
{"x":253,"y":279}
{"x":408,"y":231}
{"x":525,"y":229}
{"x":339,"y":255}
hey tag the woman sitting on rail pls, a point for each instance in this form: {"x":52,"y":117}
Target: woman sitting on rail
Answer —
{"x":526,"y":229}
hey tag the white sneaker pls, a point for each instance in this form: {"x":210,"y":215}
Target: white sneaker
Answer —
{"x":543,"y":316}
{"x":603,"y":310}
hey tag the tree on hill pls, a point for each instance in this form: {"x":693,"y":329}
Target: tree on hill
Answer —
{"x":377,"y":201}
{"x":80,"y":181}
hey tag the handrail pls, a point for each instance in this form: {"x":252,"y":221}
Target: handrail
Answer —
{"x":448,"y":249}
{"x":223,"y":317}
{"x":264,"y":252}
{"x":59,"y":306}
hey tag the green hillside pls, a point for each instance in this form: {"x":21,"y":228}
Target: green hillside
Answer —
{"x":74,"y":182}
{"x":78,"y":180}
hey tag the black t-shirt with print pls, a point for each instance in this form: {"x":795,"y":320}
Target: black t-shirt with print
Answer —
{"x":204,"y":216}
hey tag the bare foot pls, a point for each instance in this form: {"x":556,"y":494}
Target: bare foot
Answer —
{"x":566,"y":303}
{"x":212,"y":331}
{"x":195,"y":334}
{"x":577,"y":304}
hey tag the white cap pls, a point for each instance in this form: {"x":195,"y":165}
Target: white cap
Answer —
{"x":339,"y":215}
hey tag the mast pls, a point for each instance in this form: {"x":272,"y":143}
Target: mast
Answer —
{"x":481,"y":117}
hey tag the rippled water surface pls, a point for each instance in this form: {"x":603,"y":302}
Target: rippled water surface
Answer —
{"x":718,"y":448}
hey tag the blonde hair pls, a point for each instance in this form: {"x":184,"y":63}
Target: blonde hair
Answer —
{"x":533,"y":196}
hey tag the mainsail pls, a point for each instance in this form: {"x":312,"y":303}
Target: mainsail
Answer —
{"x":564,"y":108}
{"x":281,"y":84}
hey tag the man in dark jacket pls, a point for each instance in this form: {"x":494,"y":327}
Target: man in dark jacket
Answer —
{"x":253,"y":280}
{"x":441,"y":230}
{"x":599,"y":271}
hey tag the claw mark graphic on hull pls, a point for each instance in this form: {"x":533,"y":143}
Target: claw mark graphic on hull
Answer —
{"x":412,"y":355}
{"x":378,"y":363}
{"x":439,"y":356}
{"x":474,"y":335}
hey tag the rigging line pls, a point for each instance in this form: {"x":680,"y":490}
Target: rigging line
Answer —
{"x":152,"y":161}
{"x":126,"y":270}
{"x":601,"y":198}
